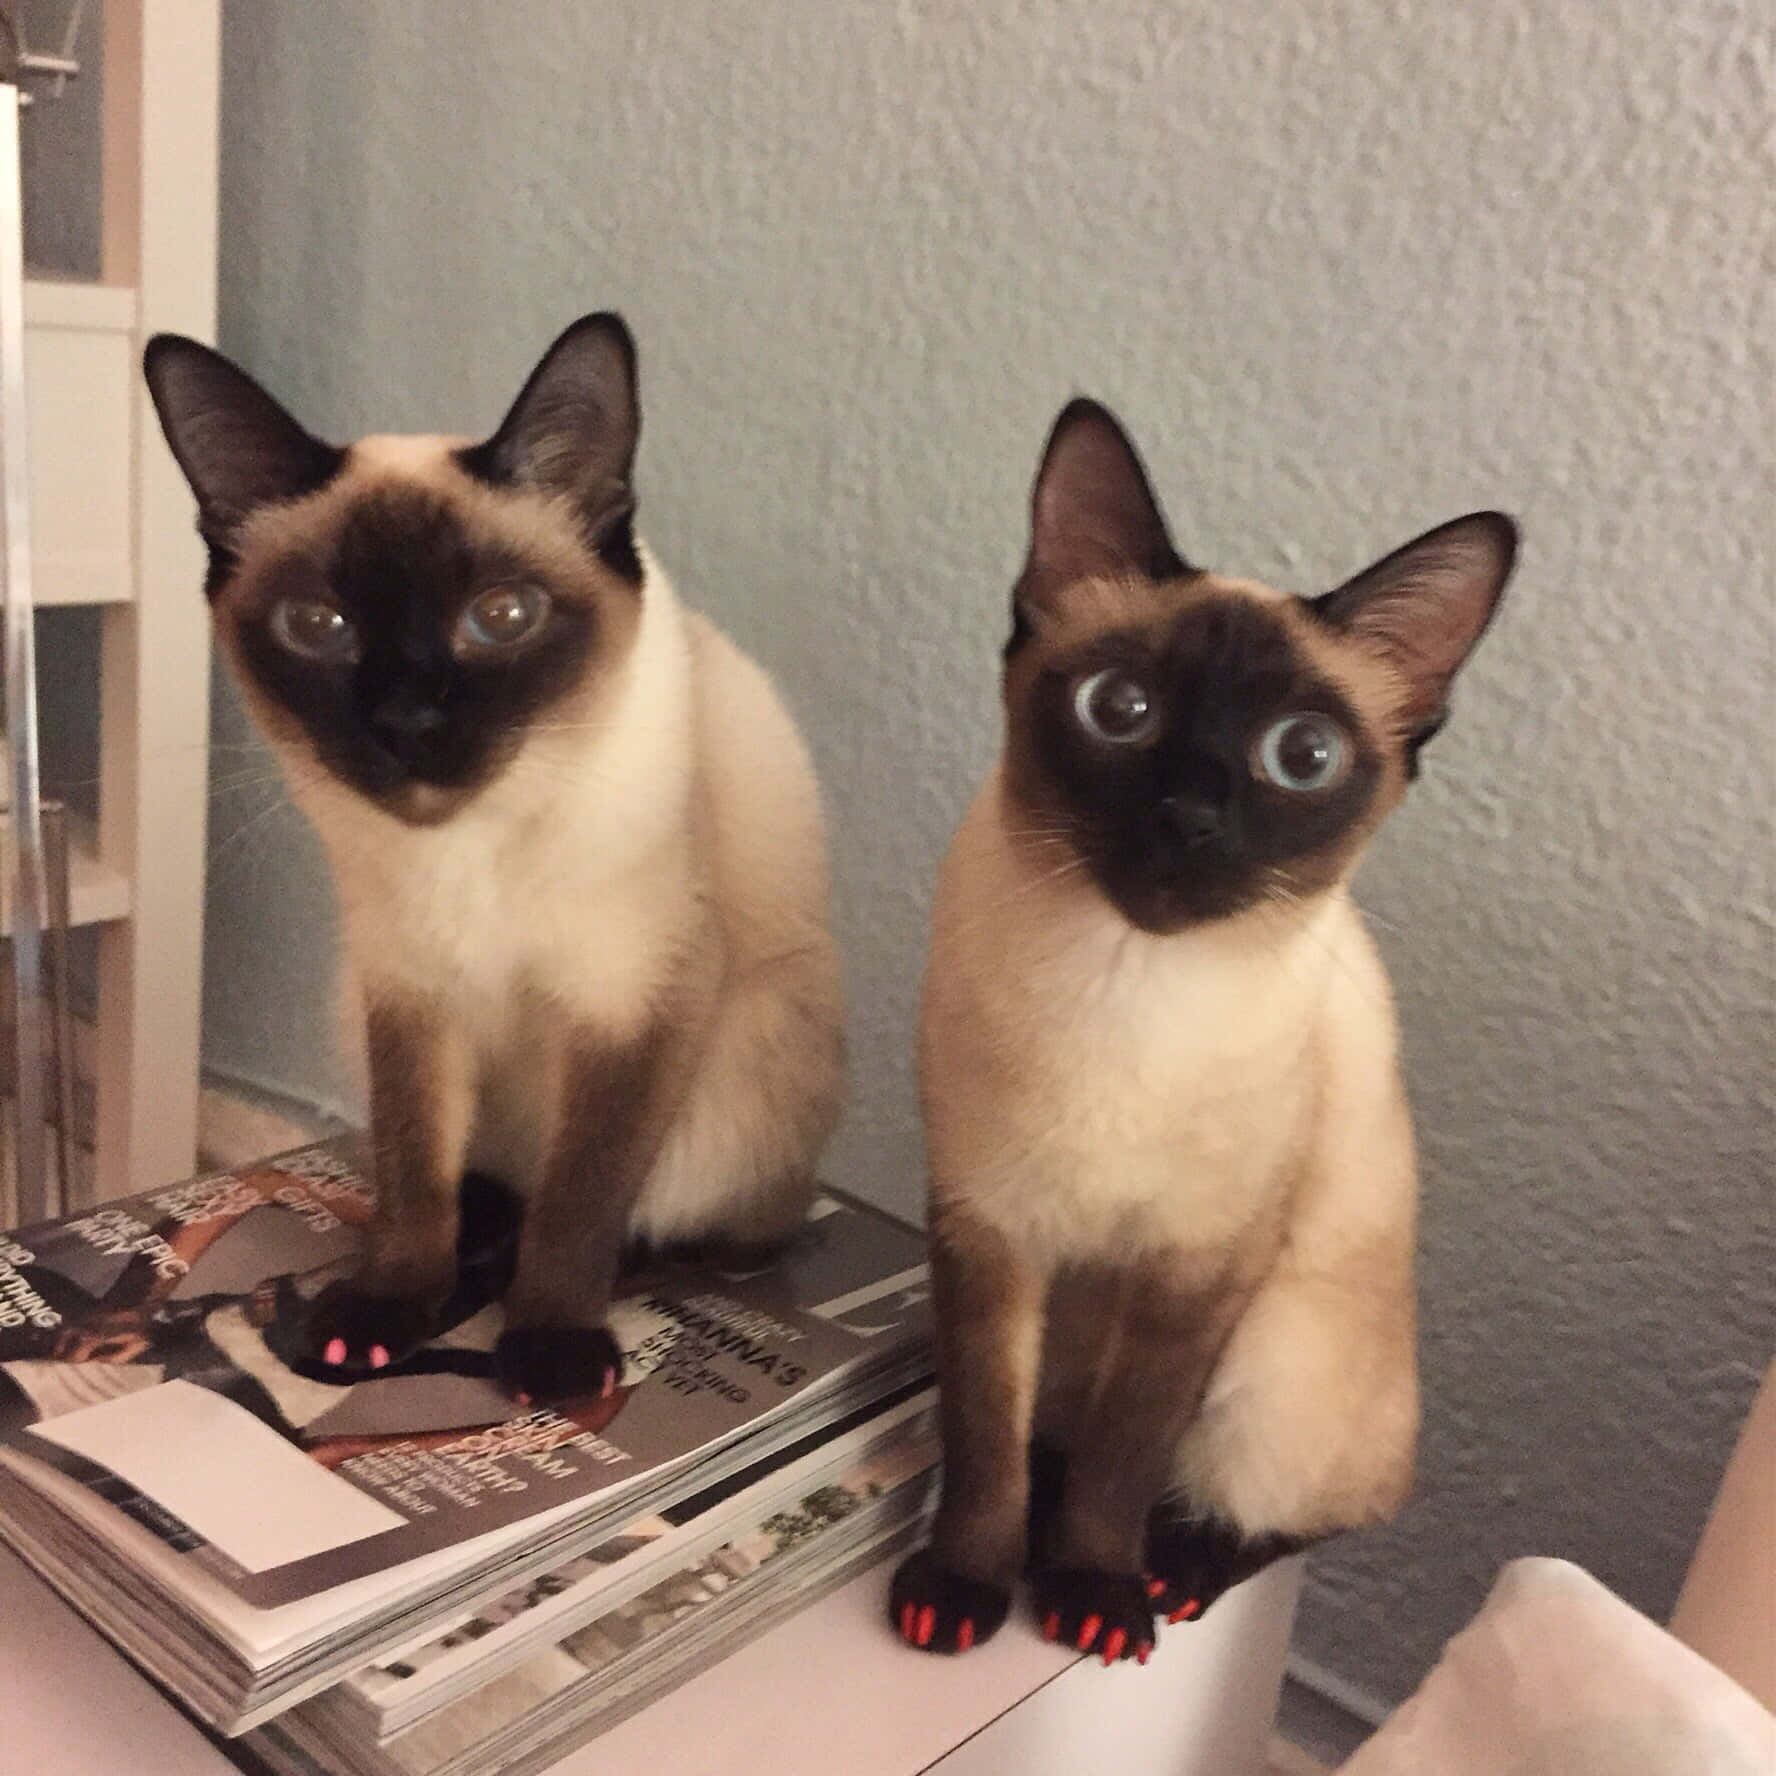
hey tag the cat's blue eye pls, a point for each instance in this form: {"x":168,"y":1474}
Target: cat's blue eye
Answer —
{"x":1303,"y":753}
{"x":501,"y":619}
{"x":1115,"y":707}
{"x":314,"y":630}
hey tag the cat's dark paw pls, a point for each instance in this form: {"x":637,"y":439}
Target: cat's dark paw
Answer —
{"x":1096,"y":1612}
{"x":1191,"y":1562}
{"x":941,"y":1611}
{"x":352,"y":1333}
{"x":549,"y":1364}
{"x":727,"y":1256}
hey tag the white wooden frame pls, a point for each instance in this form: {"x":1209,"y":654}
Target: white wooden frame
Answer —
{"x":113,"y":527}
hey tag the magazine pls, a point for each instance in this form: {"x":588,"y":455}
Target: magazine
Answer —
{"x":860,"y":1501}
{"x":416,"y":1680}
{"x":250,"y":1530}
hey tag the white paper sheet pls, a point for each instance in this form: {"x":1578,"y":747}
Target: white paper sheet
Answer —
{"x":147,"y":1437}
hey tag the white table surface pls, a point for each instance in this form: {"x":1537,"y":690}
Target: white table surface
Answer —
{"x":830,"y":1692}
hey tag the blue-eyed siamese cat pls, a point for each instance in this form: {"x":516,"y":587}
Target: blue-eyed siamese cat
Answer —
{"x":1171,"y":1166}
{"x":574,"y":837}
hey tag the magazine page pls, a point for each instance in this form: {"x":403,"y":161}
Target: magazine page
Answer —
{"x":472,"y":1650}
{"x":148,"y":1352}
{"x":670,"y":1605}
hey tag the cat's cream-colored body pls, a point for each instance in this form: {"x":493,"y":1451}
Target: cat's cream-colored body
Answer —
{"x":575,"y":842}
{"x":673,"y":831}
{"x":1224,"y":1099}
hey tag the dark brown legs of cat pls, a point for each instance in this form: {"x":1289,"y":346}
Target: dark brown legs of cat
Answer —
{"x":617,"y":1102}
{"x":1188,"y":1564}
{"x":1138,"y":1350}
{"x":419,"y":1111}
{"x":956,"y":1593}
{"x":1145,"y":1344}
{"x":617,"y":1105}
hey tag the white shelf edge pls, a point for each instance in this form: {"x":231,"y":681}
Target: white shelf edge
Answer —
{"x":61,"y":580}
{"x":81,"y":306}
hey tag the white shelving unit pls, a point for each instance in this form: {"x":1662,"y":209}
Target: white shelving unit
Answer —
{"x":112,"y":527}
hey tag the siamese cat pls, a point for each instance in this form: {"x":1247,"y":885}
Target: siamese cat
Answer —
{"x":1171,"y":1167}
{"x":574,"y":835}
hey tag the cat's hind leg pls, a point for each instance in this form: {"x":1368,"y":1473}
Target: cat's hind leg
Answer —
{"x":736,"y":1173}
{"x":1309,"y":1422}
{"x":1191,"y":1561}
{"x":1308,"y":1427}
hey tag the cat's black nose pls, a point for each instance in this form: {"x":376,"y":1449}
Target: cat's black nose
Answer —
{"x":406,"y":717}
{"x":1194,"y":819}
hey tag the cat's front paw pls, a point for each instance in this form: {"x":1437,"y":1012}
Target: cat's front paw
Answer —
{"x":550,"y":1364}
{"x":351,"y":1332}
{"x":940,"y":1610}
{"x":1096,"y":1612}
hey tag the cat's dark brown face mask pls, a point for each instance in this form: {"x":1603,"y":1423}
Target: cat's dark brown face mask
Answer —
{"x":1206,"y":745}
{"x":408,"y":611}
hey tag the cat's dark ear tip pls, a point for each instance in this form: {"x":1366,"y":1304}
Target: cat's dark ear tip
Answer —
{"x":1082,"y":410}
{"x":1501,"y":531}
{"x":1084,"y":407}
{"x":164,"y":348}
{"x":1085,"y":425}
{"x":606,"y":325}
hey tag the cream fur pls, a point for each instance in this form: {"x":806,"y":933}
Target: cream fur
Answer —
{"x":1093,"y":1092}
{"x":678,"y":826}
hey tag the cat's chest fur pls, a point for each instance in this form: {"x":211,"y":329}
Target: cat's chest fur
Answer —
{"x":1095,"y":1092}
{"x":492,"y":916}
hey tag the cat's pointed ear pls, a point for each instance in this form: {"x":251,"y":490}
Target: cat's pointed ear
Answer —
{"x":1092,"y":511}
{"x":573,"y":430}
{"x":1424,"y":607}
{"x":238,"y":448}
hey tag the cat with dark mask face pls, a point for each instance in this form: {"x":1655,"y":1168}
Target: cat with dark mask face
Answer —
{"x":1171,"y":1167}
{"x":574,"y":835}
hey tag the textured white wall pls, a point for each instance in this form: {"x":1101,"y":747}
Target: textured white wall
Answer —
{"x":1346,"y":272}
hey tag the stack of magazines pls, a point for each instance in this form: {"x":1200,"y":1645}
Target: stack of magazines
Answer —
{"x":407,"y":1573}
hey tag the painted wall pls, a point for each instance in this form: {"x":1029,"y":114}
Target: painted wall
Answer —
{"x":1346,"y":273}
{"x":59,"y":141}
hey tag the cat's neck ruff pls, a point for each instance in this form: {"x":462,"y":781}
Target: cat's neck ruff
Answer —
{"x":1065,"y":931}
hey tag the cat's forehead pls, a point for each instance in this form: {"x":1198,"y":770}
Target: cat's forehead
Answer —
{"x":1208,"y":631}
{"x":1202,"y":623}
{"x":416,"y":454}
{"x":407,"y":504}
